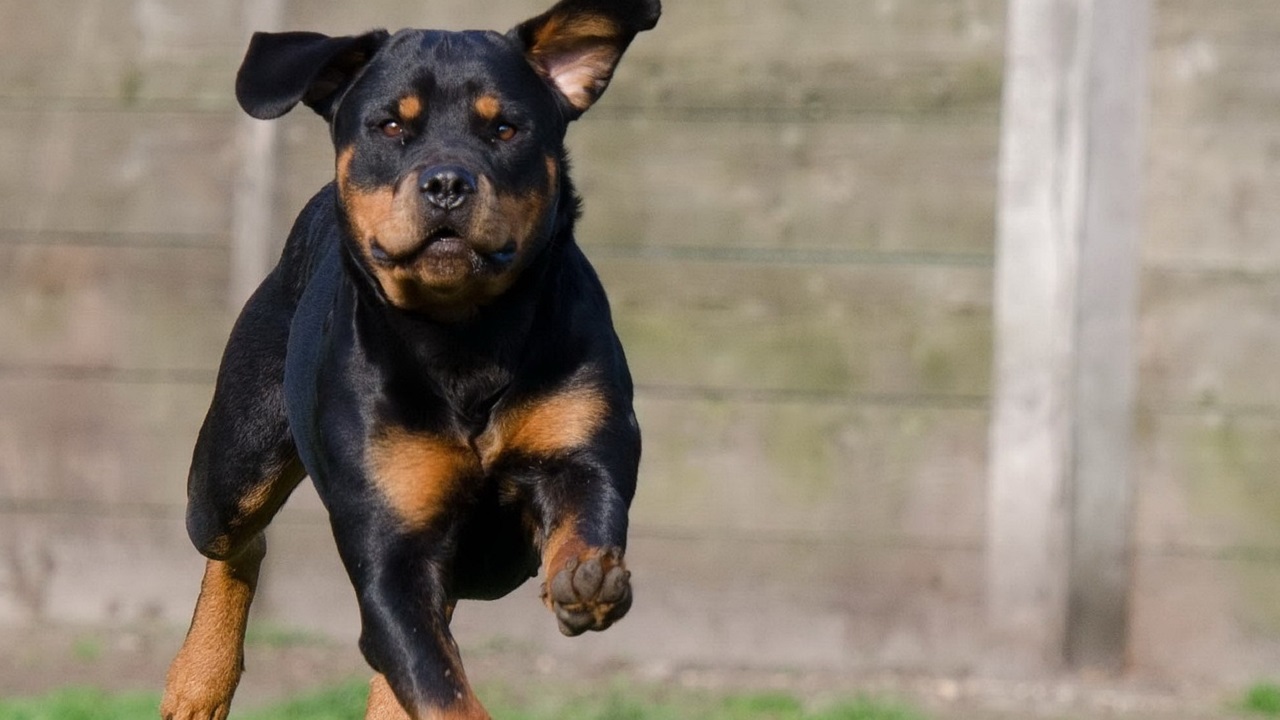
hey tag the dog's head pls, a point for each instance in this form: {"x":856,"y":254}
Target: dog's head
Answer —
{"x":449,"y":144}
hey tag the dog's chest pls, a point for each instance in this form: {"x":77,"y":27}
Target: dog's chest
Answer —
{"x":421,"y":474}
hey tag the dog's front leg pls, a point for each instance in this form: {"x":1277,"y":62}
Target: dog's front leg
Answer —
{"x":580,"y":503}
{"x":587,"y":584}
{"x":402,"y":589}
{"x":574,"y":454}
{"x":405,"y":613}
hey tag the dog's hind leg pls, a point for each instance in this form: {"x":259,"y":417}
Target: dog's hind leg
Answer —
{"x":244,"y":467}
{"x":204,"y":675}
{"x":383,"y":704}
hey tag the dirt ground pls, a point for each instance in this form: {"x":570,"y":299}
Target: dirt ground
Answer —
{"x":36,"y":660}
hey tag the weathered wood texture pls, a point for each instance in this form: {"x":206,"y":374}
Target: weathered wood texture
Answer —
{"x":792,"y":205}
{"x":1068,"y":225}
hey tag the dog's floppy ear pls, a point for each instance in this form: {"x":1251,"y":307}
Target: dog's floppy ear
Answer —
{"x":282,"y":69}
{"x":577,"y":43}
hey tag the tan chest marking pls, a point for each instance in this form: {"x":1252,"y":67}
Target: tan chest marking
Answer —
{"x":419,"y":474}
{"x":548,"y":426}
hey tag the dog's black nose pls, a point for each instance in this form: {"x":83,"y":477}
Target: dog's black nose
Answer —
{"x":446,"y":186}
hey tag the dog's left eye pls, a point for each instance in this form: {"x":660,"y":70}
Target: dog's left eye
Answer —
{"x":504,"y":131}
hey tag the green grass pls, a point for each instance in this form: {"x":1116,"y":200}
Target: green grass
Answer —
{"x":1263,"y":699}
{"x":346,"y":702}
{"x":281,"y":636}
{"x":80,"y":704}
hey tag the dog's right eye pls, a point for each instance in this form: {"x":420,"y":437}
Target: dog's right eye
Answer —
{"x":391,"y":129}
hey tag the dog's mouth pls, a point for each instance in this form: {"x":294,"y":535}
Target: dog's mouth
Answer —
{"x":444,"y":242}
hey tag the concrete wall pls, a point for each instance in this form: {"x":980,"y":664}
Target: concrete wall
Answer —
{"x":791,"y":204}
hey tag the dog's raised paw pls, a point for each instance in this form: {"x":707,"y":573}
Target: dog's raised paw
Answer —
{"x":590,"y":592}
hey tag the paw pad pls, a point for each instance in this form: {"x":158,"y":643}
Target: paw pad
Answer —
{"x":590,"y":592}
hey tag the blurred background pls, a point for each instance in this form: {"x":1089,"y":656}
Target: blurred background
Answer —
{"x":793,"y":206}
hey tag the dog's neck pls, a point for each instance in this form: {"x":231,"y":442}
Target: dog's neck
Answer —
{"x":469,"y":361}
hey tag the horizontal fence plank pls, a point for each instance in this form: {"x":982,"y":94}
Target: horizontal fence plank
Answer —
{"x":739,"y":598}
{"x":753,"y":603}
{"x":913,"y":57}
{"x":1207,"y":80}
{"x":708,"y":27}
{"x":123,"y":308}
{"x":89,"y":569}
{"x":1201,"y":619}
{"x":142,"y":569}
{"x":886,"y":187}
{"x":879,"y":475}
{"x":875,"y":474}
{"x":116,"y":239}
{"x":1210,"y":196}
{"x":1207,"y":484}
{"x":749,"y":326}
{"x":93,"y":445}
{"x":1209,"y":341}
{"x":1215,"y":62}
{"x":104,"y":172}
{"x":347,"y":18}
{"x":1244,"y":21}
{"x":907,"y":56}
{"x":121,"y":50}
{"x":765,"y":604}
{"x":839,"y":329}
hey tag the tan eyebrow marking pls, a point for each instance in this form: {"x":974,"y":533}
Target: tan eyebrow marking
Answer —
{"x":488,"y":107}
{"x":410,"y":107}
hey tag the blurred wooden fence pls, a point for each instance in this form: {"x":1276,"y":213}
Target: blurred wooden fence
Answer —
{"x":792,"y":204}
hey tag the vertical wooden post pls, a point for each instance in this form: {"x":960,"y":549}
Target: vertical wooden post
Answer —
{"x":1106,"y":329}
{"x":254,"y":191}
{"x":1034,"y":300}
{"x":1065,"y":306}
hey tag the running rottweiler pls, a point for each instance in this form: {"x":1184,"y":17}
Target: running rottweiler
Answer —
{"x":433,"y":350}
